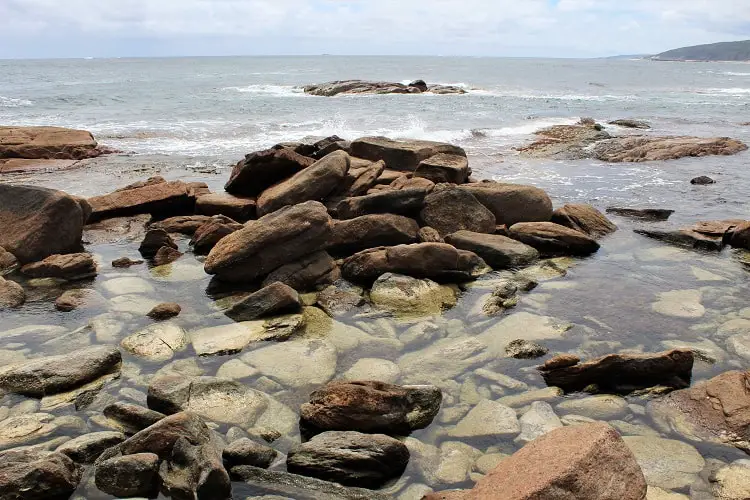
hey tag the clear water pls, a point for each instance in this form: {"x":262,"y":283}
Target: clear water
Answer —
{"x":192,"y":118}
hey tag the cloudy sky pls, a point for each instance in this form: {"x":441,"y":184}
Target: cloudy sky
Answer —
{"x":556,"y":28}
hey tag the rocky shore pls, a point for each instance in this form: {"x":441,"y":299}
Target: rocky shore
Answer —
{"x":325,"y":365}
{"x":355,"y":87}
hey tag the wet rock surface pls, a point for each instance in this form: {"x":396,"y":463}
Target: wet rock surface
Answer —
{"x":355,"y":87}
{"x":553,"y":239}
{"x":498,"y":251}
{"x":76,"y":266}
{"x":37,"y":475}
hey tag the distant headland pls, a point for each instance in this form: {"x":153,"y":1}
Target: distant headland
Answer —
{"x":725,"y":51}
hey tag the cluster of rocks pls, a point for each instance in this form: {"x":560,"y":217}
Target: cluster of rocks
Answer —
{"x":34,"y":148}
{"x":588,"y":139}
{"x":705,"y":235}
{"x":360,"y":87}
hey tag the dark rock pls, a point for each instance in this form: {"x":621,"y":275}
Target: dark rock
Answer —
{"x":702,"y":180}
{"x":195,"y":471}
{"x":87,"y":448}
{"x":160,"y":199}
{"x":208,"y":235}
{"x":183,"y":224}
{"x":37,"y":475}
{"x":132,"y":418}
{"x":247,"y":452}
{"x":429,"y":234}
{"x":54,"y":374}
{"x":311,"y":184}
{"x":717,"y":410}
{"x":283,"y":484}
{"x":740,"y":236}
{"x":401,"y":155}
{"x":443,"y":168}
{"x":553,"y":239}
{"x":497,"y":251}
{"x":450,"y":209}
{"x":166,"y":255}
{"x":584,"y":218}
{"x":262,"y":169}
{"x":437,"y":261}
{"x":329,"y":145}
{"x":402,"y":202}
{"x":308,"y":273}
{"x":161,"y":437}
{"x":370,"y":231}
{"x":272,"y":241}
{"x":624,"y":372}
{"x":339,"y":300}
{"x":239,"y":209}
{"x":350,"y":458}
{"x":420,"y":84}
{"x":576,"y":462}
{"x":370,"y":407}
{"x":512,"y":203}
{"x":627,"y":123}
{"x":654,"y":214}
{"x":560,"y":361}
{"x":74,"y":266}
{"x":164,"y":311}
{"x":276,"y":298}
{"x":125,"y":262}
{"x":12,"y":294}
{"x":38,"y":222}
{"x":154,"y":240}
{"x":135,"y":475}
{"x":685,"y":238}
{"x":523,"y":349}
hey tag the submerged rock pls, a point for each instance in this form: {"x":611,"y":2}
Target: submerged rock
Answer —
{"x":54,"y":374}
{"x":450,"y":209}
{"x":703,"y":180}
{"x":39,"y":222}
{"x":165,"y":311}
{"x":407,"y":296}
{"x":275,"y":298}
{"x":263,"y":245}
{"x":684,"y":238}
{"x":230,"y":339}
{"x":436,"y":261}
{"x":624,"y":372}
{"x":350,"y":458}
{"x":370,"y":407}
{"x":296,"y":363}
{"x":37,"y":475}
{"x":654,"y":214}
{"x":523,"y":349}
{"x":628,"y":123}
{"x":498,"y":251}
{"x":157,"y":342}
{"x":488,"y":419}
{"x":340,"y":298}
{"x":262,"y":169}
{"x":584,"y":218}
{"x":583,"y":461}
{"x":553,"y":239}
{"x":666,"y":463}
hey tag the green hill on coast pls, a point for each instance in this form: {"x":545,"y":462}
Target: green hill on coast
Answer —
{"x":725,"y":51}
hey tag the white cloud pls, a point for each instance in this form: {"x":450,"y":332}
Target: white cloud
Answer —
{"x":484,"y":27}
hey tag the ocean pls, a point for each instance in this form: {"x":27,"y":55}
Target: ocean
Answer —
{"x":193,"y":118}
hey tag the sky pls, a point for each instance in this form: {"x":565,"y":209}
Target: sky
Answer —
{"x":508,"y":28}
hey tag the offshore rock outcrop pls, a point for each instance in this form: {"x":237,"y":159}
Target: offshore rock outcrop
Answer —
{"x":359,"y":87}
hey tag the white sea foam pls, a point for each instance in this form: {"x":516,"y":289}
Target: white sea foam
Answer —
{"x":560,"y":97}
{"x":10,"y":102}
{"x":732,"y":73}
{"x":262,"y":89}
{"x":737,"y":91}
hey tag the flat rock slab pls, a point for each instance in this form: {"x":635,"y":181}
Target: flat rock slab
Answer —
{"x":52,"y":143}
{"x":370,"y":231}
{"x":230,"y":339}
{"x":362,"y":87}
{"x":22,"y":165}
{"x":158,"y":198}
{"x":401,"y":155}
{"x":647,"y":148}
{"x":54,"y":374}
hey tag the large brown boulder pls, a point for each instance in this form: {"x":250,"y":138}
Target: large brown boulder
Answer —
{"x":584,"y":218}
{"x":401,"y":155}
{"x":276,"y":298}
{"x":436,"y":261}
{"x":239,"y":209}
{"x":623,"y":373}
{"x":29,"y":474}
{"x":208,"y":235}
{"x":498,"y":251}
{"x":313,"y":183}
{"x":161,"y":436}
{"x":262,"y":169}
{"x":48,"y":143}
{"x":646,"y":148}
{"x":12,"y":294}
{"x":183,"y":224}
{"x":740,"y":236}
{"x":368,"y":406}
{"x":449,"y":209}
{"x":308,"y":273}
{"x":38,"y":222}
{"x":579,"y":462}
{"x":270,"y":242}
{"x":716,"y":410}
{"x":553,"y":239}
{"x":370,"y":231}
{"x":402,"y":202}
{"x":159,"y":198}
{"x":443,"y":167}
{"x":512,"y":203}
{"x":74,"y":266}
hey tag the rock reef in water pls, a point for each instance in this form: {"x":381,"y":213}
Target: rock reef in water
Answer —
{"x":353,"y":87}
